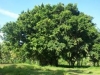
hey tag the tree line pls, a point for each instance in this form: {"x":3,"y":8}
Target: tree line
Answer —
{"x":50,"y":32}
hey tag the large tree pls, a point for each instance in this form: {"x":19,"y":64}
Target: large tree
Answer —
{"x":47,"y":33}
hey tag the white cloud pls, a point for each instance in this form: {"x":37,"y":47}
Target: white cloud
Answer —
{"x":1,"y":34}
{"x":8,"y":13}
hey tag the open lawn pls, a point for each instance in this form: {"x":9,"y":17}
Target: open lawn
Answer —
{"x":27,"y":69}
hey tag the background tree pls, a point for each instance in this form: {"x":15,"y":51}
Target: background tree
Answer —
{"x":95,"y":52}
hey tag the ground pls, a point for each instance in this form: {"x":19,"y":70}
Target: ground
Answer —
{"x":30,"y":69}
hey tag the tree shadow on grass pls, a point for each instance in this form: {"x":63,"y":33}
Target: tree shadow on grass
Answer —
{"x":27,"y":70}
{"x":67,"y":66}
{"x":75,"y":72}
{"x":17,"y":70}
{"x":32,"y":70}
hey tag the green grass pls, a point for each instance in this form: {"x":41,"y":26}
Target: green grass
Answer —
{"x":27,"y":69}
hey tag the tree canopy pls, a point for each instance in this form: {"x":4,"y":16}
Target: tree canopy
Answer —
{"x":49,"y":32}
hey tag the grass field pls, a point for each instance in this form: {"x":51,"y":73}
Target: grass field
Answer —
{"x":27,"y":69}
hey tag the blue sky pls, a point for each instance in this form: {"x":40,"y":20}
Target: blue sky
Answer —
{"x":10,"y":9}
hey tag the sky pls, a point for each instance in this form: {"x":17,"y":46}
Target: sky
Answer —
{"x":10,"y":9}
